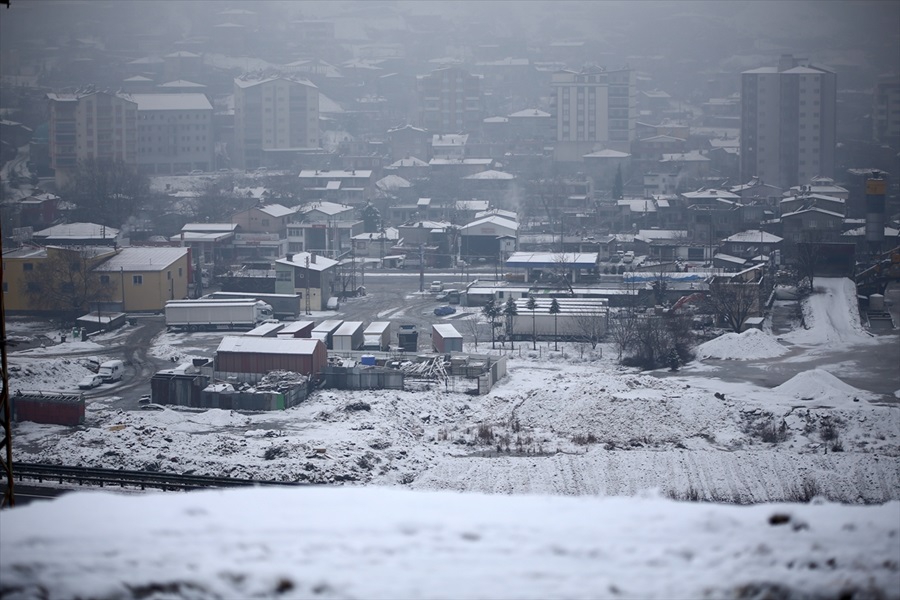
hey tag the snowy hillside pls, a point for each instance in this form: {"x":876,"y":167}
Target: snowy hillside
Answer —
{"x":390,"y":543}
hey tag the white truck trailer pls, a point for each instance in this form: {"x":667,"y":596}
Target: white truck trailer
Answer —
{"x":348,"y":336}
{"x":195,"y":315}
{"x":377,"y":336}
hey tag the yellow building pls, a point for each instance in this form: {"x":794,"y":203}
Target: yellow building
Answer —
{"x":70,"y":280}
{"x":52,"y":279}
{"x":144,"y":279}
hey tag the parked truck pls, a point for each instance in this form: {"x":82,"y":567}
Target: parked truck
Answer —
{"x":348,"y":336}
{"x":377,"y":336}
{"x":325,"y":331}
{"x":195,"y":315}
{"x":284,"y":306}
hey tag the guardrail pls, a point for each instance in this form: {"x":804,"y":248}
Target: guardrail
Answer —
{"x":141,"y":479}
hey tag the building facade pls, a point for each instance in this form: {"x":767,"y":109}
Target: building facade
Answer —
{"x":90,"y":126}
{"x":450,"y":100}
{"x":274,"y":115}
{"x":175,"y":133}
{"x":788,"y":122}
{"x":593,"y":106}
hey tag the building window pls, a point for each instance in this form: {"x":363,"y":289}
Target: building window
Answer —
{"x":180,"y":272}
{"x":5,"y":287}
{"x":104,"y":279}
{"x":137,"y":279}
{"x":28,"y":266}
{"x":169,"y":275}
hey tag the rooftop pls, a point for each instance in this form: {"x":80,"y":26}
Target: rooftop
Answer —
{"x":143,"y":259}
{"x":170,"y":101}
{"x":257,"y":345}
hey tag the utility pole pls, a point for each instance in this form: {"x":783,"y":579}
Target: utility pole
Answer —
{"x":306,"y":275}
{"x":9,"y":498}
{"x":421,"y":268}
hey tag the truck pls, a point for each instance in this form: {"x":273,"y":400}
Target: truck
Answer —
{"x":377,"y":336}
{"x":284,"y":306}
{"x":325,"y":331}
{"x":445,"y":338}
{"x":348,"y":336}
{"x":207,"y":314}
{"x":408,"y":338}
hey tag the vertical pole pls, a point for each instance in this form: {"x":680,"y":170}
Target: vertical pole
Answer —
{"x":306,"y":275}
{"x":421,"y":268}
{"x":6,"y":464}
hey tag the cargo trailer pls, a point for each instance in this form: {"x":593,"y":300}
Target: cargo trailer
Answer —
{"x":194,"y":315}
{"x":284,"y":306}
{"x":377,"y":336}
{"x":325,"y":331}
{"x":348,"y":336}
{"x":297,"y":329}
{"x":445,"y":338}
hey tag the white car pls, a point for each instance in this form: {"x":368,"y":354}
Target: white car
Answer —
{"x":90,"y":382}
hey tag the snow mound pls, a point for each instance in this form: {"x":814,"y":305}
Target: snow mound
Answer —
{"x":819,"y":386}
{"x":220,"y":418}
{"x":750,"y":345}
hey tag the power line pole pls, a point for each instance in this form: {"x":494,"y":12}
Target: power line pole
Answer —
{"x":306,"y":275}
{"x":421,"y":268}
{"x":5,"y":412}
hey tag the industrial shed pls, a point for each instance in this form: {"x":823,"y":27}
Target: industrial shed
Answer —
{"x":249,"y":359}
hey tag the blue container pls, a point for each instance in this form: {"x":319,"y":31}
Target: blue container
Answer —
{"x":367,"y":359}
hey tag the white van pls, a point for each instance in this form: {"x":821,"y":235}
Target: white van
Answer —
{"x":333,"y":303}
{"x":112,"y":370}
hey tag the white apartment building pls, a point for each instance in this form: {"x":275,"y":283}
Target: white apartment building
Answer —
{"x":175,"y":133}
{"x":788,"y":122}
{"x":273,"y":115}
{"x":593,"y":107}
{"x":90,"y":125}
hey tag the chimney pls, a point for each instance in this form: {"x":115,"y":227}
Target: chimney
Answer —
{"x":290,"y":257}
{"x":312,"y":258}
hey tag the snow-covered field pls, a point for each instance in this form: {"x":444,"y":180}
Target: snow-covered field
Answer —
{"x":566,"y":423}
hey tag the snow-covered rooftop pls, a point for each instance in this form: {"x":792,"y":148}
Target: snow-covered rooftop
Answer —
{"x":142,"y":259}
{"x":257,"y":345}
{"x":754,"y":236}
{"x":171,"y":101}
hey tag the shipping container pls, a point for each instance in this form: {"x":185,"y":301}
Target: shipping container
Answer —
{"x":266,"y":330}
{"x":263,"y":355}
{"x":297,"y":329}
{"x":49,"y":408}
{"x":325,"y":331}
{"x":445,"y":338}
{"x":348,"y":337}
{"x":377,"y":336}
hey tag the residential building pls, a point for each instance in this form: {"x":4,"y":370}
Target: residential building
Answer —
{"x":175,"y":133}
{"x":491,"y":238}
{"x":409,"y":142}
{"x":273,"y":115}
{"x":307,"y":274}
{"x":593,"y":106}
{"x":886,"y":110}
{"x":144,"y":279}
{"x":449,"y":101}
{"x":270,"y":218}
{"x":354,"y":187}
{"x":788,"y":122}
{"x":77,"y":234}
{"x":90,"y":125}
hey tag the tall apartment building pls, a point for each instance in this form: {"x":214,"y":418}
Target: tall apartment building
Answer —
{"x":90,"y":125}
{"x":788,"y":122}
{"x":593,"y":107}
{"x":273,"y":115}
{"x":175,"y":133}
{"x":886,"y":110}
{"x":449,"y":100}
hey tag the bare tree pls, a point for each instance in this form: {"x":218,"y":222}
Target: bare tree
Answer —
{"x":560,"y":274}
{"x":732,"y":301}
{"x":473,"y":329}
{"x":65,"y":283}
{"x":107,"y":191}
{"x":591,"y":324}
{"x":622,"y":330}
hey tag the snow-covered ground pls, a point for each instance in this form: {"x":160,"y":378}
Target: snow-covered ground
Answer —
{"x":391,"y":543}
{"x":567,"y":423}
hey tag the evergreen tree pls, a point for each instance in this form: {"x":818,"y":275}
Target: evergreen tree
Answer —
{"x":618,"y":190}
{"x":532,"y":306}
{"x":555,"y":310}
{"x":510,"y":311}
{"x":491,"y":311}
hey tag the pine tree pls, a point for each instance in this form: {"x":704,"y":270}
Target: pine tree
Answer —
{"x":555,"y":310}
{"x":532,"y":306}
{"x":618,"y":190}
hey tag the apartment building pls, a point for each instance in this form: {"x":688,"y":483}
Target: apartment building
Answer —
{"x":175,"y":133}
{"x":450,"y":100}
{"x":273,"y":115}
{"x":593,"y":107}
{"x":90,"y":125}
{"x":886,"y":111}
{"x":788,"y":122}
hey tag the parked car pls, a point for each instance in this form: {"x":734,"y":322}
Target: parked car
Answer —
{"x":145,"y":399}
{"x":196,"y":172}
{"x":443,"y":311}
{"x":90,"y":382}
{"x":441,"y":297}
{"x":436,"y":286}
{"x":153,"y":407}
